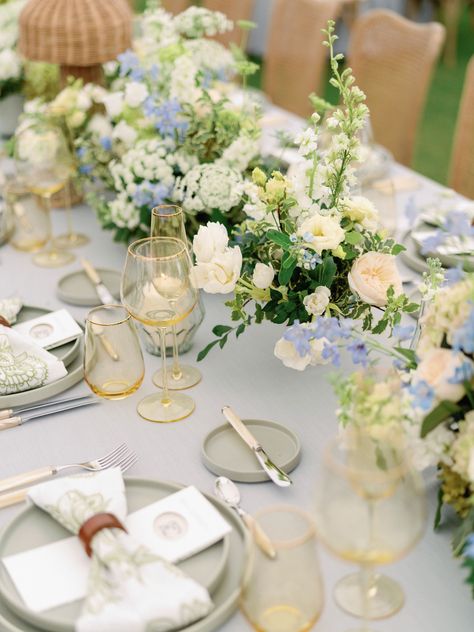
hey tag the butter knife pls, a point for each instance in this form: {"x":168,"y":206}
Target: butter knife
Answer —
{"x":18,"y":420}
{"x":278,"y":476}
{"x":103,"y":293}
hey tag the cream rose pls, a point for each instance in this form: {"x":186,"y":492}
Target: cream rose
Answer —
{"x":210,"y":240}
{"x":361,"y":210}
{"x":221,"y":274}
{"x":263,"y":275}
{"x":326,"y":232}
{"x":437,"y":368}
{"x":371,"y":276}
{"x":317,"y":302}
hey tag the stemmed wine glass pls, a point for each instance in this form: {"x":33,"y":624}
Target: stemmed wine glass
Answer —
{"x":370,"y":509}
{"x":167,"y":220}
{"x":71,"y":238}
{"x":158,"y":291}
{"x":44,"y":164}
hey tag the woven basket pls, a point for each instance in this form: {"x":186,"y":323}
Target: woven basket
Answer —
{"x":79,"y":35}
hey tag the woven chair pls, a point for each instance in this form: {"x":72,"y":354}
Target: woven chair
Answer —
{"x":393,"y":60}
{"x":461,"y":177}
{"x":235,"y":10}
{"x":295,"y":60}
{"x":176,"y":6}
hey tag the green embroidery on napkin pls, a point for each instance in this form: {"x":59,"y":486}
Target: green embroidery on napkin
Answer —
{"x":19,"y":372}
{"x":74,"y":508}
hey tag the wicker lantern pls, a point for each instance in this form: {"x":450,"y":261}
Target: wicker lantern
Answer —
{"x":79,"y":35}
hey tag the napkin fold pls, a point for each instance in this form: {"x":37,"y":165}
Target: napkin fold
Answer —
{"x":130,"y":588}
{"x":24,"y":365}
{"x":9,"y":308}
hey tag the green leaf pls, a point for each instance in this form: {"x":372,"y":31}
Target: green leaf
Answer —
{"x":279,"y":238}
{"x":222,"y":342}
{"x":287,"y":269}
{"x":240,"y":330}
{"x":463,"y":532}
{"x":380,"y":327}
{"x":443,"y":411}
{"x":409,"y":354}
{"x":325,"y":272}
{"x":353,"y":238}
{"x":439,"y":507}
{"x":397,"y":249}
{"x":203,"y":353}
{"x":220,"y":330}
{"x":411,"y":307}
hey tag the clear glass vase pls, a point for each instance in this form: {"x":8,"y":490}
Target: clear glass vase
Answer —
{"x":185,"y":330}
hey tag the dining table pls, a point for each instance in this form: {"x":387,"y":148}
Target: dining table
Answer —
{"x":247,"y":376}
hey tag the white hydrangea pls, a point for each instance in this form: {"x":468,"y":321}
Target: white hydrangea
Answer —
{"x":9,"y":14}
{"x":210,"y":186}
{"x":10,"y":65}
{"x":123,"y":213}
{"x":210,"y":54}
{"x":200,"y":22}
{"x":147,"y":161}
{"x":158,"y":31}
{"x":240,"y":152}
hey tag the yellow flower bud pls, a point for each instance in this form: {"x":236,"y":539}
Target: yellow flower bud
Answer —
{"x":259,"y":177}
{"x":339,"y":253}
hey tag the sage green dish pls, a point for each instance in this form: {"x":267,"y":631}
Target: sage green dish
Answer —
{"x":77,"y":289}
{"x":66,"y":353}
{"x":219,"y":567}
{"x":224,"y":453}
{"x":74,"y":375}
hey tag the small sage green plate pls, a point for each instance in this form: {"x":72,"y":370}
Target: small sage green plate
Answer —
{"x":224,"y":453}
{"x":77,"y":289}
{"x":219,"y":568}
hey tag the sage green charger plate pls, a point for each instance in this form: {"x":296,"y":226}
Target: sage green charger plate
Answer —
{"x":219,"y":567}
{"x":224,"y":453}
{"x":77,"y":289}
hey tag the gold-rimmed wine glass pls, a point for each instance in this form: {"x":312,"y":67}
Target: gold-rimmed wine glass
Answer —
{"x":44,"y":164}
{"x":158,"y":290}
{"x":71,"y":238}
{"x":167,"y":220}
{"x":284,"y":593}
{"x":370,"y":509}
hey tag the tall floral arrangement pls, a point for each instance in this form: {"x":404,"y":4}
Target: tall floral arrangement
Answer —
{"x":309,"y":247}
{"x":430,"y":397}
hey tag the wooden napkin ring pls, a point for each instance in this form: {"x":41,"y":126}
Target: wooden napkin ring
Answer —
{"x":91,"y":527}
{"x":4,"y":321}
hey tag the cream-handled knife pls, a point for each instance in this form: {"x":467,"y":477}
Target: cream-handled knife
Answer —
{"x":103,"y":293}
{"x":278,"y":476}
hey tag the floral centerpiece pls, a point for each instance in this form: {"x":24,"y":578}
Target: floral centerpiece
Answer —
{"x":430,"y":399}
{"x":11,"y":67}
{"x":308,"y":246}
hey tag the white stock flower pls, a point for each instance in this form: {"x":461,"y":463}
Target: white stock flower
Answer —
{"x":113,"y":103}
{"x":317,"y":302}
{"x":307,"y":141}
{"x":100,"y":125}
{"x":124,"y":133}
{"x":371,"y":276}
{"x":240,"y":152}
{"x":361,"y":210}
{"x":123,"y":213}
{"x":209,"y":241}
{"x":220,"y":275}
{"x":199,"y":22}
{"x":437,"y":368}
{"x":10,"y":65}
{"x":135,"y":93}
{"x":326,"y":232}
{"x":263,"y":275}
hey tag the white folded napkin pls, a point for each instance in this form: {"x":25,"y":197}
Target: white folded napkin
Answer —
{"x":24,"y":365}
{"x":9,"y":308}
{"x":130,"y":588}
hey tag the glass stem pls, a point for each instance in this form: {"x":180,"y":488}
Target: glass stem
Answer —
{"x":165,"y":398}
{"x":367,"y":576}
{"x":67,"y":204}
{"x":50,"y":248}
{"x":176,"y":372}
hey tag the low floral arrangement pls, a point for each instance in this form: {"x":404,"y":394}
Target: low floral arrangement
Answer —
{"x":429,"y":398}
{"x":11,"y":67}
{"x":308,"y":246}
{"x":164,"y":129}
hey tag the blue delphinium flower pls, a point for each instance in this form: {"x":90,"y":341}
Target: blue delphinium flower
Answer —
{"x":293,"y":238}
{"x":463,"y":338}
{"x":81,"y":152}
{"x":403,"y":332}
{"x":359,"y":352}
{"x":331,"y":352}
{"x":86,"y":169}
{"x":431,"y":243}
{"x":300,"y":337}
{"x":423,"y":394}
{"x":106,"y":143}
{"x":149,"y":194}
{"x":458,"y":223}
{"x":462,"y":373}
{"x":454,"y":275}
{"x":167,"y":121}
{"x":469,"y":547}
{"x":130,"y":65}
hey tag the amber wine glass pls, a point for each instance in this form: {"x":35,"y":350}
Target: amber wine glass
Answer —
{"x":370,"y":509}
{"x":167,"y":220}
{"x":284,"y":593}
{"x":158,"y":291}
{"x":44,"y":164}
{"x":113,"y":360}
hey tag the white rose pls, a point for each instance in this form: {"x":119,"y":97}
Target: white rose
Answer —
{"x":317,"y":302}
{"x":124,"y":133}
{"x":371,"y":276}
{"x":361,"y":210}
{"x":84,"y":101}
{"x":76,"y":119}
{"x":263,"y":275}
{"x":221,"y":274}
{"x":326,"y":232}
{"x":113,"y":104}
{"x":135,"y":93}
{"x":10,"y":65}
{"x":210,"y":240}
{"x":100,"y":125}
{"x":64,"y":102}
{"x":436,"y":369}
{"x":286,"y":352}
